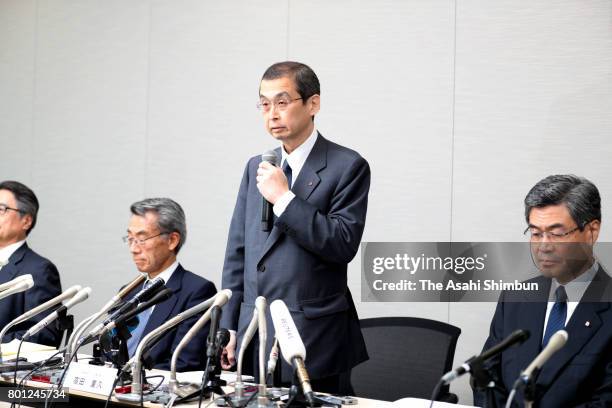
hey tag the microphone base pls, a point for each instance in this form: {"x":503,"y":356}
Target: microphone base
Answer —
{"x":156,"y":397}
{"x":273,"y":395}
{"x":188,"y":390}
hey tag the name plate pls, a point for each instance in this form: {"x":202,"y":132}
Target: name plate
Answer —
{"x":90,"y":378}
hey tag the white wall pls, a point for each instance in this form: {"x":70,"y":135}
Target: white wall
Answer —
{"x":459,"y":106}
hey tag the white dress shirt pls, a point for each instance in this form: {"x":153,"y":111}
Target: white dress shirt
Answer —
{"x":166,"y":274}
{"x":575,"y":290}
{"x":296,"y":160}
{"x":8,"y":251}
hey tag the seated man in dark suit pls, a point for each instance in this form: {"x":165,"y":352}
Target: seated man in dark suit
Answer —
{"x":18,"y":210}
{"x":156,"y":233}
{"x":563,"y":214}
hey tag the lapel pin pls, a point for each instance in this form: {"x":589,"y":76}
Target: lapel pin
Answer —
{"x":310,"y":183}
{"x":587,"y":323}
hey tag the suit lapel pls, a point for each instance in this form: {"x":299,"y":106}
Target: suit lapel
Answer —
{"x":162,"y":310}
{"x":10,"y":270}
{"x":306,"y":182}
{"x":535,"y":307}
{"x":308,"y":179}
{"x":577,"y":328}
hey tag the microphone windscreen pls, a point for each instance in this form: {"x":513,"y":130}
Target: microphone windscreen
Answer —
{"x":289,"y":339}
{"x":81,"y":296}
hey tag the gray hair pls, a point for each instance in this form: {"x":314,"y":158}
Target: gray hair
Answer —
{"x":579,"y":195}
{"x":171,"y":217}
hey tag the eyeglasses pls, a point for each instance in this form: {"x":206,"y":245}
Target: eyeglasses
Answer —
{"x":280,"y":104}
{"x":5,"y":208}
{"x":140,"y":242}
{"x":553,"y":236}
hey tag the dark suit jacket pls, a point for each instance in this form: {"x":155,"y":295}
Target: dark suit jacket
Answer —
{"x":303,"y":260}
{"x":579,"y":374}
{"x":46,"y":286}
{"x":189,"y":290}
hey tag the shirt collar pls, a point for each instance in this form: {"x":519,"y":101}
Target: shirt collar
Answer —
{"x":298,"y":157}
{"x":167,"y":273}
{"x":9,"y":250}
{"x":576,"y":288}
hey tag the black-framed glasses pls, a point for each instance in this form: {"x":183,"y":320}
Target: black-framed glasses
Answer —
{"x":5,"y":208}
{"x":139,"y":241}
{"x":280,"y":104}
{"x":537,"y":235}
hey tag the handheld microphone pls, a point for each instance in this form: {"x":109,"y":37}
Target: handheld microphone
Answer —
{"x":222,"y":338}
{"x":273,"y":359}
{"x":266,"y":209}
{"x":221,"y":299}
{"x":246,"y":339}
{"x":159,"y":297}
{"x":81,"y":296}
{"x":68,"y":293}
{"x":291,"y":345}
{"x":556,"y":342}
{"x":215,"y":319}
{"x":260,"y":306}
{"x":13,"y":282}
{"x":73,"y":341}
{"x":519,"y":336}
{"x":248,"y":335}
{"x":19,"y":286}
{"x":145,"y":294}
{"x":135,"y":363}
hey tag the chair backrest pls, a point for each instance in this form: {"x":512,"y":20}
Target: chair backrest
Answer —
{"x":408,"y":355}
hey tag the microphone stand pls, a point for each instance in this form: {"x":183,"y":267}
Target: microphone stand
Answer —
{"x":117,"y":346}
{"x":297,"y":397}
{"x":65,"y":322}
{"x":211,"y":378}
{"x":528,"y":384}
{"x":482,"y":380}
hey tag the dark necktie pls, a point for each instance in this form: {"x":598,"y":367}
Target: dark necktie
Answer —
{"x":558,"y":313}
{"x":288,"y":173}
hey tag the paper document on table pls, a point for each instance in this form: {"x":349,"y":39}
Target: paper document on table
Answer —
{"x":10,"y":349}
{"x":196,"y":376}
{"x":422,"y":403}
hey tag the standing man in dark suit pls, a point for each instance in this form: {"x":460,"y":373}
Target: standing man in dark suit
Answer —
{"x":18,"y":211}
{"x":319,"y":197}
{"x":563,"y":214}
{"x":156,"y":233}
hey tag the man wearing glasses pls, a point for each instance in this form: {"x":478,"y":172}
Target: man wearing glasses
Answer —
{"x":563,"y":213}
{"x":18,"y":211}
{"x":156,"y":233}
{"x":319,"y":196}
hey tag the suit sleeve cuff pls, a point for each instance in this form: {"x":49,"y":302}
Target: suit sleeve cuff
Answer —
{"x":282,"y":203}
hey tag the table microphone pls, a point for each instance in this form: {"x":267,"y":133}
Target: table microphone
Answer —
{"x":266,"y":209}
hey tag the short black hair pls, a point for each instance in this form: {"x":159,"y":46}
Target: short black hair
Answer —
{"x":305,"y":79}
{"x":579,"y":195}
{"x":27,"y":203}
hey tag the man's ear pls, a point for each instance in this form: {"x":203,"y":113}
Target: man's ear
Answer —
{"x":26,"y":222}
{"x":315,"y":104}
{"x":173,"y":240}
{"x":594,"y":226}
